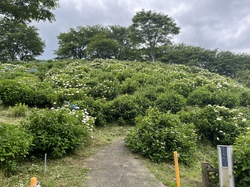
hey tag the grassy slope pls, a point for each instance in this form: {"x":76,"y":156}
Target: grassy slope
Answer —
{"x":71,"y":171}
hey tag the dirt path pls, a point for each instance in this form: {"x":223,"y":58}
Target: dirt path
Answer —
{"x":115,"y":166}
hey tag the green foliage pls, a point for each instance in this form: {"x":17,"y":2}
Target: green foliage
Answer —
{"x":28,"y":10}
{"x":222,"y":62}
{"x":13,"y":92}
{"x":15,"y":145}
{"x":74,"y":43}
{"x":152,"y":29}
{"x":241,"y":160}
{"x":157,"y":135}
{"x":201,"y":97}
{"x":181,"y":88}
{"x":227,"y":99}
{"x":129,"y":86}
{"x":96,"y":108}
{"x":19,"y":110}
{"x":218,"y":124}
{"x":170,"y":101}
{"x":123,"y":109}
{"x":19,"y":41}
{"x":107,"y":89}
{"x":245,"y":98}
{"x":59,"y":131}
{"x":102,"y":47}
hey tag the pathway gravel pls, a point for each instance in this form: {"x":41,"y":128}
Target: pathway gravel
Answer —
{"x":115,"y":166}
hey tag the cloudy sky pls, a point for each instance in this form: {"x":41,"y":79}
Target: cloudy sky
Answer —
{"x":211,"y":24}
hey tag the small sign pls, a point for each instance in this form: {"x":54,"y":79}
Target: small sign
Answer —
{"x":224,"y":158}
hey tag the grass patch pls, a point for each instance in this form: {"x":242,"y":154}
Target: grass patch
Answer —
{"x":6,"y":116}
{"x":189,"y":176}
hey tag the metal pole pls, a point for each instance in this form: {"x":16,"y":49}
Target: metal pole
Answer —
{"x":45,"y":162}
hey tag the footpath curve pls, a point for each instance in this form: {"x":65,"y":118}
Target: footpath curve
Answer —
{"x":115,"y":166}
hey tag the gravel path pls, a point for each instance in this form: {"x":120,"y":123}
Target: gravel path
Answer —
{"x":115,"y":166}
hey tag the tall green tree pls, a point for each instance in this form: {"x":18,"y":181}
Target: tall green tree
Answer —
{"x":19,"y":41}
{"x":102,"y":47}
{"x":121,"y":35}
{"x":73,"y":44}
{"x":28,"y":10}
{"x":151,"y":29}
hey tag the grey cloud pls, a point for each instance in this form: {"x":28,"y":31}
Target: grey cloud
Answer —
{"x":211,"y":24}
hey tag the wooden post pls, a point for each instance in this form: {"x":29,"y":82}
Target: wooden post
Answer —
{"x":205,"y":175}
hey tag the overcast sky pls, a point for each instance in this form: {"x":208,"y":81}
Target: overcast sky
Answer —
{"x":211,"y":24}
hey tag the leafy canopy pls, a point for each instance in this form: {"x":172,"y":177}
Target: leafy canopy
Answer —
{"x":152,"y":29}
{"x":28,"y":10}
{"x":19,"y":41}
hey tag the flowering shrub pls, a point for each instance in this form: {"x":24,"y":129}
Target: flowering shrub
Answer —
{"x":157,"y":135}
{"x":97,"y":108}
{"x":241,"y":160}
{"x":58,"y":131}
{"x":218,"y":124}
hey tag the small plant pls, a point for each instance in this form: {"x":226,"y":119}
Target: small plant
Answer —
{"x":15,"y":145}
{"x":19,"y":110}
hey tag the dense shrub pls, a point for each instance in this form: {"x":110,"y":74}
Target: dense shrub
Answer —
{"x":96,"y":108}
{"x":241,"y":160}
{"x":58,"y":131}
{"x":13,"y":92}
{"x":157,"y":135}
{"x":142,"y":102}
{"x":245,"y":98}
{"x":181,"y":87}
{"x":123,"y":110}
{"x":170,"y":101}
{"x":107,"y":89}
{"x":200,"y":97}
{"x":227,"y":98}
{"x":15,"y":144}
{"x":218,"y":124}
{"x":71,"y":94}
{"x":43,"y":95}
{"x":129,"y":86}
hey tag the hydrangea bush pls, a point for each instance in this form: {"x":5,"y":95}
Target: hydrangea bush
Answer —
{"x":58,"y":131}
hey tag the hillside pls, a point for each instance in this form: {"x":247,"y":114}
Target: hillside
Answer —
{"x":172,"y":107}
